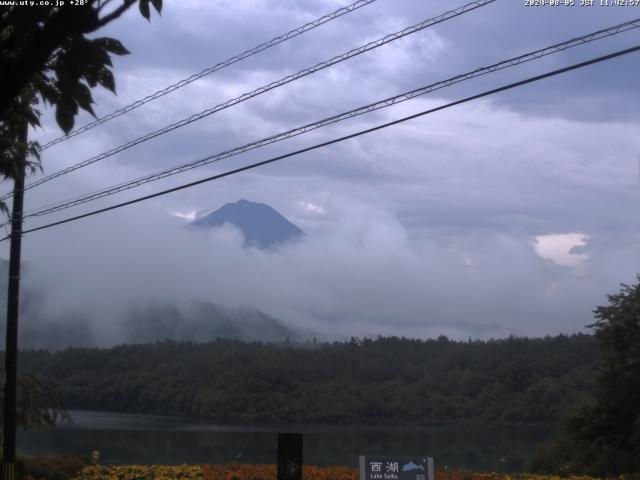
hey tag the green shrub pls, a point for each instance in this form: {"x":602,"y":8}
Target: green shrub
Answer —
{"x":59,"y":467}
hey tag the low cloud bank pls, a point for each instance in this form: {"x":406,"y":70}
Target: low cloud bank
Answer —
{"x":358,"y":272}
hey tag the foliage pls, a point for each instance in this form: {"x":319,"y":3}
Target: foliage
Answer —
{"x":38,"y":406}
{"x":45,"y":56}
{"x":12,"y":145}
{"x":467,"y":475}
{"x":59,"y":467}
{"x":552,"y":457}
{"x":387,"y":381}
{"x":136,"y":472}
{"x":268,"y":472}
{"x":604,"y":438}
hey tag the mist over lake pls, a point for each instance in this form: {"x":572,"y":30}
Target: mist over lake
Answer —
{"x":144,"y":439}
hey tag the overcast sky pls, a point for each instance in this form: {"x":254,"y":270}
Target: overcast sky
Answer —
{"x":514,"y":214}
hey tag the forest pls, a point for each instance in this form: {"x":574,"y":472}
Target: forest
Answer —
{"x":387,"y":380}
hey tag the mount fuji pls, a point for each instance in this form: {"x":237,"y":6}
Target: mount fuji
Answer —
{"x":261,"y":225}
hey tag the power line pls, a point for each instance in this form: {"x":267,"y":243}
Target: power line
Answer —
{"x":208,"y":71}
{"x":341,"y":139}
{"x":278,"y":83}
{"x":527,"y":57}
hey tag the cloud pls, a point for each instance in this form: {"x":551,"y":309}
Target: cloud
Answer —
{"x":560,"y":248}
{"x":312,"y":208}
{"x":358,"y":271}
{"x":190,"y":215}
{"x":421,"y":229}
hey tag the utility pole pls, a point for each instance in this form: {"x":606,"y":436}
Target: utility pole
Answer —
{"x":13,"y":304}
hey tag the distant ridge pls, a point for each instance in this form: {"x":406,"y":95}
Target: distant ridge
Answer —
{"x":201,"y":322}
{"x":261,"y":225}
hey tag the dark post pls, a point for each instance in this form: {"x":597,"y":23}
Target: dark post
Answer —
{"x":13,"y":303}
{"x":289,"y":456}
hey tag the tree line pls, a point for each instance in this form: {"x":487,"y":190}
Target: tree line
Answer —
{"x":602,"y":438}
{"x":384,"y":381}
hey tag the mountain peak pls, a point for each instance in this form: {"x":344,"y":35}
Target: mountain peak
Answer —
{"x":261,"y":225}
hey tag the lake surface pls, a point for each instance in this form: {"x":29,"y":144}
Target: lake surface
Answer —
{"x":146,"y":439}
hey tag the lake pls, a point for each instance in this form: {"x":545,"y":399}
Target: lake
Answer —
{"x":146,"y":439}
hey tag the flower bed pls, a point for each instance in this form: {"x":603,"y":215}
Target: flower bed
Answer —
{"x":268,"y":472}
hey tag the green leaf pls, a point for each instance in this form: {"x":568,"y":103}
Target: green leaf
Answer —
{"x":33,"y":117}
{"x":92,"y":77}
{"x":7,"y":32}
{"x":64,"y":117}
{"x":112,"y":45}
{"x":105,"y":78}
{"x":65,"y":85}
{"x":157,"y":4}
{"x":82,"y":95}
{"x":48,"y":93}
{"x":144,"y":9}
{"x":97,"y":54}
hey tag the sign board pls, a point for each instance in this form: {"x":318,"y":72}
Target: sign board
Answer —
{"x":289,"y":456}
{"x":396,"y":468}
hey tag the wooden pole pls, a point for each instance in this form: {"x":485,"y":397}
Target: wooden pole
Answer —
{"x":13,"y":305}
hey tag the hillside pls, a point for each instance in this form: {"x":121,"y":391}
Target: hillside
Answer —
{"x":140,"y":322}
{"x":384,"y":381}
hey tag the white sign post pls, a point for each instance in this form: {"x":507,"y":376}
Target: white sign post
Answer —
{"x":396,"y":468}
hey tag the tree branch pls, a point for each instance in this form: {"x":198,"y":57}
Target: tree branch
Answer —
{"x":116,"y":13}
{"x":102,"y":4}
{"x":59,"y":26}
